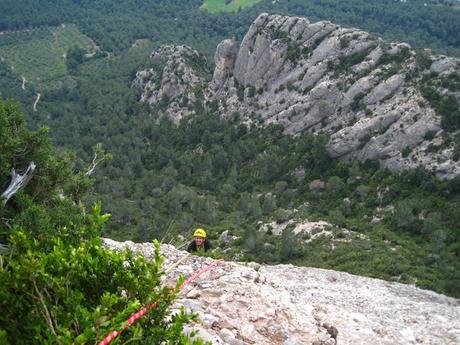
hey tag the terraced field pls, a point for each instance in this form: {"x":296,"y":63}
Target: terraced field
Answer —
{"x":39,"y":55}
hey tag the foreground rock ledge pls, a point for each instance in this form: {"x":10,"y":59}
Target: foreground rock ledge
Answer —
{"x":284,"y":304}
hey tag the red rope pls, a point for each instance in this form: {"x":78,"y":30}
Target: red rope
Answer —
{"x":141,"y":312}
{"x":203,"y":271}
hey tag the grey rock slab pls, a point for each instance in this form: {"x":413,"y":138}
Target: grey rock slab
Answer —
{"x":301,"y":305}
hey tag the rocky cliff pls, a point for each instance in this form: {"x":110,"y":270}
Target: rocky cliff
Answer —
{"x":177,"y":72}
{"x":374,"y":98}
{"x":257,"y":304}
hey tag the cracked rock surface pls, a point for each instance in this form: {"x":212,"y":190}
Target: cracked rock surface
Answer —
{"x":287,"y":305}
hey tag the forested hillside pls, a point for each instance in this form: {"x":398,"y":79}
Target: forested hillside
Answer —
{"x":115,"y":26}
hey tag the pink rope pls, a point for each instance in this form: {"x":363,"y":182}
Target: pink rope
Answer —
{"x":141,"y":312}
{"x":200,"y":273}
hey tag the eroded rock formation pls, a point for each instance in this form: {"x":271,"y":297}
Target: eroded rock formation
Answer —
{"x":366,"y":93}
{"x":171,"y":84}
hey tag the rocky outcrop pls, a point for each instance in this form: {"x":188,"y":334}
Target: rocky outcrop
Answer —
{"x":224,"y":60}
{"x":171,"y":84}
{"x":307,"y":231}
{"x":360,"y":89}
{"x":258,"y":304}
{"x":363,"y":91}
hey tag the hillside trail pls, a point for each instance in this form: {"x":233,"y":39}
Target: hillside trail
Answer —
{"x":36,"y":101}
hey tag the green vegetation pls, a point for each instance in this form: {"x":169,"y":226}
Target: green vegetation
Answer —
{"x":346,"y":62}
{"x":91,"y":108}
{"x":40,"y":54}
{"x":397,"y":58}
{"x":166,"y":179}
{"x":445,"y":104}
{"x":410,"y":21}
{"x":11,"y":86}
{"x":57,"y":283}
{"x":115,"y":26}
{"x":216,"y":6}
{"x":225,"y":186}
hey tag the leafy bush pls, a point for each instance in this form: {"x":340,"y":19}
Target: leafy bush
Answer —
{"x":364,"y":140}
{"x":357,"y":103}
{"x":346,"y":62}
{"x":397,"y":58}
{"x":64,"y":294}
{"x":406,"y":151}
{"x":57,"y":283}
{"x":293,"y":53}
{"x":429,"y":135}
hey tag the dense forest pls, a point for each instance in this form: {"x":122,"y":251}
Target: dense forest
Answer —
{"x":116,"y":25}
{"x":162,"y":180}
{"x":224,"y":176}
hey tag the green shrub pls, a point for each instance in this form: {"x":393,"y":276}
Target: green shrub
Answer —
{"x":357,"y":103}
{"x":406,"y":151}
{"x":344,"y":42}
{"x":64,"y":296}
{"x":58,"y":284}
{"x":446,"y":106}
{"x":346,"y":62}
{"x":251,"y":91}
{"x":280,"y":35}
{"x":240,"y":93}
{"x":293,"y":54}
{"x":364,"y":140}
{"x":429,"y":135}
{"x":281,"y":215}
{"x":397,"y":58}
{"x":422,"y":59}
{"x":451,"y":82}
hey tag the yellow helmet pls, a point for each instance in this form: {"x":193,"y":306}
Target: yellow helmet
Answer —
{"x":199,"y":232}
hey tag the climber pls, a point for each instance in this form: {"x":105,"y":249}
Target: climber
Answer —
{"x":199,"y":243}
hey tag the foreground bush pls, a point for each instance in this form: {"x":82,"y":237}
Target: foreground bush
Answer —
{"x":58,"y":285}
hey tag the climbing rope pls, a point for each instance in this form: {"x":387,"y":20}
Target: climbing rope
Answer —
{"x":144,"y":310}
{"x":177,"y":263}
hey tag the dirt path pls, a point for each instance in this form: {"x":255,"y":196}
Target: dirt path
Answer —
{"x":36,"y":101}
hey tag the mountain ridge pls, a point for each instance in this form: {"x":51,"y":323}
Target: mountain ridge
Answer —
{"x":376,"y":100}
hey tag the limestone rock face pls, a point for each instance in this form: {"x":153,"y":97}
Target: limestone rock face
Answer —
{"x":366,"y":93}
{"x":224,"y":60}
{"x":363,"y":91}
{"x":170,"y":85}
{"x":287,"y":305}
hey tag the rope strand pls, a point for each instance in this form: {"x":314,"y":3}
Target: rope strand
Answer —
{"x":144,"y":310}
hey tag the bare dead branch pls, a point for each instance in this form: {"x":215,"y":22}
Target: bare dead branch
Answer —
{"x":4,"y":249}
{"x":99,"y":156}
{"x":46,"y":312}
{"x":17,"y":182}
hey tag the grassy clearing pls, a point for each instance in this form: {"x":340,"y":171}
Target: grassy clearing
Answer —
{"x":40,"y":54}
{"x":215,"y":6}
